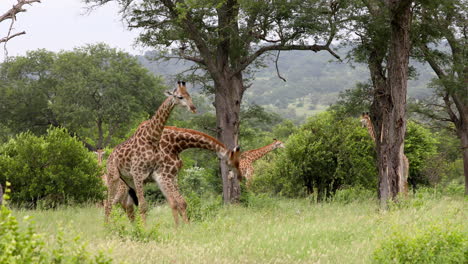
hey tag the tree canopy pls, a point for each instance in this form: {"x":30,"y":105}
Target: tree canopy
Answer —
{"x":95,"y":91}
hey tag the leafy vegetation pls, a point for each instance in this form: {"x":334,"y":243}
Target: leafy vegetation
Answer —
{"x":95,"y":91}
{"x":437,"y":243}
{"x":330,"y":152}
{"x":23,"y":244}
{"x":50,"y":170}
{"x":270,"y":229}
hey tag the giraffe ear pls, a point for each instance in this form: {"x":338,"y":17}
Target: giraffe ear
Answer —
{"x":274,"y":139}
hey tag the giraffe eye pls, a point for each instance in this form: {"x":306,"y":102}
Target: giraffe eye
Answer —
{"x":180,"y":97}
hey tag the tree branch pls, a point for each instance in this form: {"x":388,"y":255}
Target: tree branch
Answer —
{"x":277,"y":70}
{"x":315,"y":48}
{"x":7,"y":38}
{"x":17,"y":8}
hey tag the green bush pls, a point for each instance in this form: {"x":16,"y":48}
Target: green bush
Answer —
{"x":354,"y":194}
{"x":153,"y":194}
{"x":199,"y":209}
{"x":25,"y":246}
{"x":434,"y":244}
{"x":420,"y":148}
{"x":325,"y":154}
{"x":49,"y":170}
{"x":135,"y":231}
{"x":331,"y":151}
{"x":195,"y":180}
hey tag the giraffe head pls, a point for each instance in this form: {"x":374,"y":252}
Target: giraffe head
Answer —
{"x":365,"y":118}
{"x":278,"y":143}
{"x":182,"y":97}
{"x":233,"y":160}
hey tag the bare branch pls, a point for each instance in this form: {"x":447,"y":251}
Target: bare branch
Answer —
{"x":315,"y":48}
{"x":276,"y":63}
{"x":11,"y":14}
{"x":7,"y":38}
{"x":17,"y":8}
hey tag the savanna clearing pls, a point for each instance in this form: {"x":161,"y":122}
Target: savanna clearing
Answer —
{"x":268,"y":230}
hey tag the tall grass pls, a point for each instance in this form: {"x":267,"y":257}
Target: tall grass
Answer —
{"x":285,"y":231}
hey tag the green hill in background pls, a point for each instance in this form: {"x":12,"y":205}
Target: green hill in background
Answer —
{"x":313,"y":81}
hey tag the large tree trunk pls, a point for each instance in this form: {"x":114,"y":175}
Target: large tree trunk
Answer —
{"x":390,"y":102}
{"x":228,"y":97}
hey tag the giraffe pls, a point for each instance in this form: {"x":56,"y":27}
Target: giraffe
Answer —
{"x":404,"y":172}
{"x":134,"y":160}
{"x":248,"y":157}
{"x":174,"y":140}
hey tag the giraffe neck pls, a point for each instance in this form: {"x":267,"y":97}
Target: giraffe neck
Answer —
{"x":156,"y":123}
{"x":175,"y":140}
{"x":256,"y":154}
{"x":370,"y":128}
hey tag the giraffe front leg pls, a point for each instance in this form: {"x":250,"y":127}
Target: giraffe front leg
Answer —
{"x":142,"y":204}
{"x":111,"y":191}
{"x":165,"y":183}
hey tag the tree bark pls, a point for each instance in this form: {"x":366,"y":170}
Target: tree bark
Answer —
{"x":389,"y":104}
{"x":228,"y":96}
{"x":463,"y":134}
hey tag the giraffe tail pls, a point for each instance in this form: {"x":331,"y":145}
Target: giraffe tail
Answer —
{"x":133,"y":195}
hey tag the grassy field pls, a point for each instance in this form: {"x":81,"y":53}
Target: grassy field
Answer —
{"x":270,"y":231}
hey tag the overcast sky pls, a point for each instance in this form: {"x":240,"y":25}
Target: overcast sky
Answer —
{"x":63,"y":24}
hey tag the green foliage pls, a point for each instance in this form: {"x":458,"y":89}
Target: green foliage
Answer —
{"x":353,"y":194}
{"x":325,"y":154}
{"x":136,"y":231}
{"x":153,"y":194}
{"x":49,"y":170}
{"x":257,"y":200}
{"x":195,"y":180}
{"x":200,"y":208}
{"x":437,"y":243}
{"x":420,"y":146}
{"x":25,"y":245}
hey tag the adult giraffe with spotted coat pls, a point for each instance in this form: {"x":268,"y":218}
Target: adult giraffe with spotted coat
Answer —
{"x":174,"y":140}
{"x":248,"y":158}
{"x":134,"y":160}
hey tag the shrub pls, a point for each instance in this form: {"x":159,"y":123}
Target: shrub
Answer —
{"x":257,"y":201}
{"x":434,"y":244}
{"x":24,"y":245}
{"x":353,"y":194}
{"x":195,"y":180}
{"x":325,"y":154}
{"x":199,"y":211}
{"x":420,"y":148}
{"x":50,"y":170}
{"x":153,"y":194}
{"x":135,"y":231}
